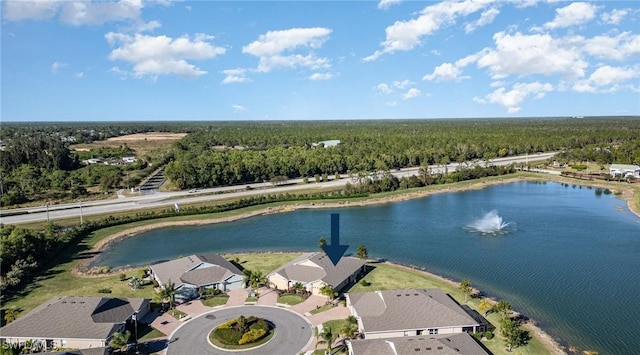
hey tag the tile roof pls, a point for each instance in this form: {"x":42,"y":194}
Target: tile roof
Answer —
{"x":183,"y":270}
{"x":443,"y":344}
{"x":73,"y":318}
{"x":395,"y":310}
{"x":311,"y":267}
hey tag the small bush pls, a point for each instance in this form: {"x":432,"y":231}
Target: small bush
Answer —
{"x":260,"y":324}
{"x":228,"y":324}
{"x":477,"y":335}
{"x":228,"y":336}
{"x":488,"y":335}
{"x":365,"y":283}
{"x":123,"y":277}
{"x":251,"y":336}
{"x":155,"y":283}
{"x":104,"y":290}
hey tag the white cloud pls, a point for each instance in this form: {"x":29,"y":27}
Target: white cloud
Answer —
{"x":57,"y":66}
{"x":444,"y":72}
{"x":523,"y":55}
{"x":403,"y":84}
{"x":486,"y":18}
{"x":154,"y":56}
{"x":73,"y":12}
{"x":79,"y":75}
{"x":406,"y":35}
{"x":619,"y":47}
{"x":238,"y":108}
{"x":385,"y":4}
{"x":513,"y":98}
{"x":17,"y":10}
{"x":321,"y":76}
{"x":411,"y":94}
{"x":607,"y":79}
{"x":383,"y":88}
{"x":573,"y":14}
{"x":270,"y":48}
{"x":238,"y":75}
{"x":147,"y":26}
{"x":614,"y":17}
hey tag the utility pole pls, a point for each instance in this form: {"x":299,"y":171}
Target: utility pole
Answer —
{"x":80,"y":212}
{"x":47,"y":205}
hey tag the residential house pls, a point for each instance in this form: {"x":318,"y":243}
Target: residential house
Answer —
{"x":198,"y":272}
{"x":129,"y":159}
{"x":75,"y":322}
{"x":440,"y":344}
{"x":315,"y":270}
{"x":411,"y":312}
{"x":624,"y":170}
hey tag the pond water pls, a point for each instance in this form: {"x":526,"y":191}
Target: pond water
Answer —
{"x":568,"y":256}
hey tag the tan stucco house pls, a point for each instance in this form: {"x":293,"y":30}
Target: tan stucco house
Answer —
{"x":410,"y":312}
{"x":315,"y":270}
{"x":194,"y":272}
{"x":441,"y":344}
{"x":75,"y":322}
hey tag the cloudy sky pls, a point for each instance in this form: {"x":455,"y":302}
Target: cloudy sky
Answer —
{"x":215,"y":60}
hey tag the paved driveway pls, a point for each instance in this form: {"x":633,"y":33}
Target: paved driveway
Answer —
{"x":293,"y":332}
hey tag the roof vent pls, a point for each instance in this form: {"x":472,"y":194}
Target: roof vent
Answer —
{"x":406,"y":294}
{"x":417,"y":349}
{"x":427,"y":348}
{"x":440,"y":348}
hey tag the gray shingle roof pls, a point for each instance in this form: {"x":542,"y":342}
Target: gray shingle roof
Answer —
{"x":182,"y":270}
{"x":443,"y":344}
{"x":323,"y":269}
{"x":73,"y":318}
{"x":408,"y":309}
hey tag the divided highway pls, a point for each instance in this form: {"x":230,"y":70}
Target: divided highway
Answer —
{"x":168,"y":199}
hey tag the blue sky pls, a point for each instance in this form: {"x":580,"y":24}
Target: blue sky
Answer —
{"x":292,"y":60}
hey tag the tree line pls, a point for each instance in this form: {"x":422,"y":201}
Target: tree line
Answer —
{"x":246,"y":152}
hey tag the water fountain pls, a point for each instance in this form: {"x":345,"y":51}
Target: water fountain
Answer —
{"x":490,"y":224}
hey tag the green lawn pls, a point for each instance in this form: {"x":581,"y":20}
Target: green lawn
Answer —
{"x":321,"y":309}
{"x":215,"y":301}
{"x":148,"y":332}
{"x":251,"y":299}
{"x":264,"y":263}
{"x":291,"y":300}
{"x":177,"y":314}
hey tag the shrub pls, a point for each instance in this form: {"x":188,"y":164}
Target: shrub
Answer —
{"x":104,"y":290}
{"x":228,"y":324}
{"x":477,"y":335}
{"x":365,"y":283}
{"x":123,"y":277}
{"x":228,"y":336}
{"x":260,"y":324}
{"x":155,"y":283}
{"x":488,"y":335}
{"x":251,"y":336}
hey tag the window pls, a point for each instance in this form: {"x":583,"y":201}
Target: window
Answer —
{"x":433,"y":331}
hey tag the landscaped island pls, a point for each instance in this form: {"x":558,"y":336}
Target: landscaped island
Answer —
{"x":242,"y":333}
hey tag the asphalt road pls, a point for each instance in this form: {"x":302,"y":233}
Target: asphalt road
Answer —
{"x":292,"y":332}
{"x":168,"y":199}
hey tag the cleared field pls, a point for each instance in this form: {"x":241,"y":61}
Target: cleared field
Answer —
{"x":145,"y":144}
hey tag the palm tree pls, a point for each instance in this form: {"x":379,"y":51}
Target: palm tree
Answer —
{"x":349,"y":330}
{"x":465,"y":287}
{"x":485,"y":306}
{"x":119,"y":340}
{"x":504,"y":308}
{"x":328,"y":291}
{"x":168,"y":292}
{"x":327,"y":337}
{"x":10,"y":315}
{"x":298,"y":287}
{"x":255,"y":279}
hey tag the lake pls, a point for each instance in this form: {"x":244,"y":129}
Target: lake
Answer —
{"x":570,"y":259}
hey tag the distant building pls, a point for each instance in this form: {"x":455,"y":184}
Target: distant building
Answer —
{"x":129,"y":159}
{"x":93,"y":161}
{"x":327,"y":144}
{"x":624,"y":170}
{"x":315,"y":270}
{"x":75,"y":322}
{"x":411,"y":312}
{"x":194,"y":272}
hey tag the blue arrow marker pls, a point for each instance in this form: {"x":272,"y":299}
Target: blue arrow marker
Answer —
{"x":335,"y":251}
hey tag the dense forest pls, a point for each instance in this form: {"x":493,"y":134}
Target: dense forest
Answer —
{"x":37,"y":164}
{"x":248,"y":152}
